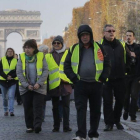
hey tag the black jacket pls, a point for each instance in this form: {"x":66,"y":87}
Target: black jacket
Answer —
{"x":134,"y":69}
{"x":12,"y":73}
{"x":67,"y":65}
{"x":115,"y":51}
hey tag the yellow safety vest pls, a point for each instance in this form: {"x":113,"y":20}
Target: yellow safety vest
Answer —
{"x":56,"y":73}
{"x":123,"y":44}
{"x":75,"y":60}
{"x":7,"y":68}
{"x":39,"y":65}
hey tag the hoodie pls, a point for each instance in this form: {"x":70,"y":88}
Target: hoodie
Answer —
{"x":67,"y":65}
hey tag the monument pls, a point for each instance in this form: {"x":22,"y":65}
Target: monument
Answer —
{"x":26,"y":23}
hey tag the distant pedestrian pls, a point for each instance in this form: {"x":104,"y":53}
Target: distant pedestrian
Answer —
{"x":8,"y":80}
{"x":44,"y":49}
{"x":132,"y":78}
{"x":32,"y":72}
{"x":17,"y":94}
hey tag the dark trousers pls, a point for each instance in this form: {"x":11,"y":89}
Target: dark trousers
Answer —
{"x":111,"y":89}
{"x":60,"y":109}
{"x":66,"y":110}
{"x":33,"y":108}
{"x":84,"y":91}
{"x":131,"y":97}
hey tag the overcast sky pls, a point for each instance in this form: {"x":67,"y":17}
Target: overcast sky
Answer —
{"x":56,"y":15}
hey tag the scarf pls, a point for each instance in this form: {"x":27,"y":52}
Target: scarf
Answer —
{"x":30,"y":59}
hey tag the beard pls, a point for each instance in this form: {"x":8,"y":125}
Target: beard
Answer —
{"x":129,"y":41}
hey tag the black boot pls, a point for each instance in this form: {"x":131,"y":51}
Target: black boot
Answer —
{"x":125,"y":115}
{"x":37,"y":129}
{"x":119,"y":126}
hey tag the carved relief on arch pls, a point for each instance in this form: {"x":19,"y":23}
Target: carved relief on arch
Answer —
{"x":20,"y":31}
{"x":32,"y":33}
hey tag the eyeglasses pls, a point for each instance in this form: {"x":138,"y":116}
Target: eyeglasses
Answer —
{"x":110,"y":31}
{"x":56,"y":43}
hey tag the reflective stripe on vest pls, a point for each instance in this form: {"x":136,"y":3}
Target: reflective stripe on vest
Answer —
{"x":56,"y":73}
{"x":7,"y":68}
{"x":123,"y":44}
{"x":75,"y":61}
{"x":62,"y":75}
{"x":39,"y":65}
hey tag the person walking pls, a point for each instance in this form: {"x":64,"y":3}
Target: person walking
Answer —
{"x":32,"y":72}
{"x":132,"y":78}
{"x":87,"y":66}
{"x":8,"y":81}
{"x":59,"y":84}
{"x":115,"y":86}
{"x":17,"y":94}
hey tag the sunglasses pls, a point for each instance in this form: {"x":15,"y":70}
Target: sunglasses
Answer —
{"x":110,"y":31}
{"x":56,"y":43}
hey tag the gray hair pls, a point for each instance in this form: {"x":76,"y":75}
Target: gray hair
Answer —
{"x":43,"y":47}
{"x":107,"y":25}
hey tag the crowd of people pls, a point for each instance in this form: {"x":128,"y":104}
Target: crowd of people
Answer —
{"x":108,"y":70}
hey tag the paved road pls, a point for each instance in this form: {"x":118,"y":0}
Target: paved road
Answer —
{"x":13,"y":128}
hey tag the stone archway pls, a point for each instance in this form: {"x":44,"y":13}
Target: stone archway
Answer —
{"x":26,"y":23}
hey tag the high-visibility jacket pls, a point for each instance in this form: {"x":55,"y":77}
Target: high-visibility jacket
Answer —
{"x":39,"y":65}
{"x":123,"y":44}
{"x":7,"y":68}
{"x":98,"y":62}
{"x":56,"y":73}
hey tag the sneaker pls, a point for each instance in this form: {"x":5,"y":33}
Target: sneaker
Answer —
{"x":78,"y":138}
{"x":6,"y":114}
{"x":108,"y":127}
{"x":125,"y":115}
{"x":12,"y":114}
{"x":67,"y":129}
{"x":119,"y":126}
{"x":29,"y":130}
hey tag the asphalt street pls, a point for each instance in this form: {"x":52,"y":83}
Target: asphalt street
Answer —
{"x":13,"y":128}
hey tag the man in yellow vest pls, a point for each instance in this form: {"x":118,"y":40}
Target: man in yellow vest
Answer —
{"x":59,"y":84}
{"x":87,"y":66}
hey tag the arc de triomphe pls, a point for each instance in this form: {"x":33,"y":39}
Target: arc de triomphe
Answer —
{"x":26,"y":23}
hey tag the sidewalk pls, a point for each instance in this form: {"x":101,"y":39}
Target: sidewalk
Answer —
{"x":13,"y":128}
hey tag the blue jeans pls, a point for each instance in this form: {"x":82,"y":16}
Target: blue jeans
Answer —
{"x":8,"y":95}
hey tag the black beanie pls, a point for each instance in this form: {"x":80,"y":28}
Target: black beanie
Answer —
{"x":58,"y":38}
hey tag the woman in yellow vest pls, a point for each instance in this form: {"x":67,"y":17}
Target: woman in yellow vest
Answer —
{"x":32,"y":72}
{"x":8,"y":81}
{"x":59,"y":87}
